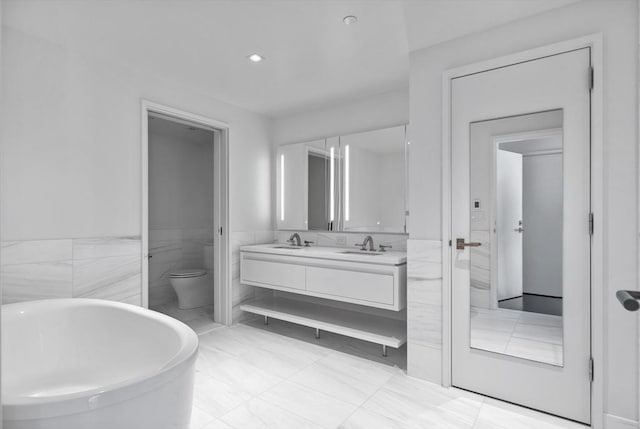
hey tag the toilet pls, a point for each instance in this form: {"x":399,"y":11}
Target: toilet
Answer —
{"x":194,"y":286}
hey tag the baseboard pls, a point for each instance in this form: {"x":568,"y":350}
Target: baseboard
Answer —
{"x":615,"y":422}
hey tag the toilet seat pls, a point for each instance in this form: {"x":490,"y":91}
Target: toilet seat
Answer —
{"x":188,"y":273}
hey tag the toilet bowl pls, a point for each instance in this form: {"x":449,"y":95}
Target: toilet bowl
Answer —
{"x":194,"y":286}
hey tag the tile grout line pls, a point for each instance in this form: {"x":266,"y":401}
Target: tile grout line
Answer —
{"x":365,"y":401}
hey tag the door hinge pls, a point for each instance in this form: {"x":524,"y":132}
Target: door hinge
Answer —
{"x":591,"y":78}
{"x":220,"y":231}
{"x":591,"y":224}
{"x":591,"y":370}
{"x":450,"y":243}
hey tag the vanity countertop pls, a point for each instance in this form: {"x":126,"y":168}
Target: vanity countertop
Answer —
{"x":332,"y":253}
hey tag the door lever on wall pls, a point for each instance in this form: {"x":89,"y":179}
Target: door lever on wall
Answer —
{"x":629,"y":299}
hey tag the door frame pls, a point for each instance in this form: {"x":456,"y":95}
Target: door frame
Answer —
{"x":222,"y":284}
{"x":595,"y":42}
{"x":495,"y":143}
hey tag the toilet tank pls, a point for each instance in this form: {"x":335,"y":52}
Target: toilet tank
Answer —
{"x":208,"y":256}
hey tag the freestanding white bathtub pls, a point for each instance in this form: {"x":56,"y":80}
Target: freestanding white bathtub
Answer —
{"x":94,"y":364}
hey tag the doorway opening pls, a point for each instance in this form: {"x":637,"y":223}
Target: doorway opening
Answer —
{"x":527,"y":220}
{"x":185,"y":217}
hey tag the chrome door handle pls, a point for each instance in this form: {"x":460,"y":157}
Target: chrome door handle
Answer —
{"x":460,"y":244}
{"x":629,"y":299}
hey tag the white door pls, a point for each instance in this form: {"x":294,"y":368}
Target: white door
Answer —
{"x":508,"y":223}
{"x":533,"y":358}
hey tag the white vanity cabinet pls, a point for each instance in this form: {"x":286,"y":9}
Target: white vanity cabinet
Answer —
{"x":370,"y":280}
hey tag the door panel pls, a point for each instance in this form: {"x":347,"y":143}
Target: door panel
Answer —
{"x":521,"y":355}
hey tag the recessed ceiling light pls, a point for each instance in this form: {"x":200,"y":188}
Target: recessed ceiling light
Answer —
{"x":255,"y":58}
{"x":350,"y":19}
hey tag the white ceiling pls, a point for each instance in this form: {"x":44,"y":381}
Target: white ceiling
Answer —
{"x":312,"y":58}
{"x":531,"y":146}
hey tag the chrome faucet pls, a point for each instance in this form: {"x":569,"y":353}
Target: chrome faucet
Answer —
{"x":368,"y":239}
{"x":295,"y":237}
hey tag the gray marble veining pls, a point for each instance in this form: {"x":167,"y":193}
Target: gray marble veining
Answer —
{"x":26,"y":282}
{"x":115,"y":278}
{"x":90,"y":248}
{"x":331,"y":389}
{"x":424,"y":307}
{"x":35,"y":251}
{"x":107,"y":268}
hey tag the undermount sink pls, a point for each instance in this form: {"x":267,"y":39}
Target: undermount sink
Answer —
{"x":288,"y":247}
{"x":361,"y":252}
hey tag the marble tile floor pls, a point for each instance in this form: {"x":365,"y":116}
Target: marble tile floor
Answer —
{"x":522,"y":334}
{"x":249,"y":377}
{"x":199,"y":319}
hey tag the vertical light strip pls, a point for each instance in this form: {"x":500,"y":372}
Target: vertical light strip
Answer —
{"x":282,"y":187}
{"x":346,"y":183}
{"x":331,"y":187}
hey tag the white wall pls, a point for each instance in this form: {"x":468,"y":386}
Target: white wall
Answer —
{"x":617,"y":20}
{"x":180,"y":177}
{"x":71,"y":145}
{"x":542,"y":213}
{"x":509,"y":211}
{"x":378,"y":111}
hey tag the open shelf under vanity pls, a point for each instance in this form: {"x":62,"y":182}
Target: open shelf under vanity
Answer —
{"x":376,"y":283}
{"x":376,"y":329}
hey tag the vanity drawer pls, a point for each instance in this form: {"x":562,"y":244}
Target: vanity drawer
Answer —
{"x":273,"y":273}
{"x":372,"y":287}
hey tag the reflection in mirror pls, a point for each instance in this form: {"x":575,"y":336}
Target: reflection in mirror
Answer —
{"x":318,"y":159}
{"x":516,"y":206}
{"x":308,"y":185}
{"x":373,"y":185}
{"x":291,"y":190}
{"x":352,"y":183}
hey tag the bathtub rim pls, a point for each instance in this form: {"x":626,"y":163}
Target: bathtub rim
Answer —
{"x":25,"y":407}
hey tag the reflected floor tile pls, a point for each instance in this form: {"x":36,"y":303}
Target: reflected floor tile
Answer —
{"x":535,"y":350}
{"x":500,"y":415}
{"x":491,"y":323}
{"x":312,"y":405}
{"x":540,"y":319}
{"x":548,"y":334}
{"x":259,"y":414}
{"x":489,"y":340}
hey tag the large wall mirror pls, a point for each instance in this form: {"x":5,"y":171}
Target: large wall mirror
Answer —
{"x":516,"y":192}
{"x":351,"y":183}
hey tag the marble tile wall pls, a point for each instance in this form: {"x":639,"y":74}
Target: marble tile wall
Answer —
{"x":480,"y":269}
{"x":173,"y":249}
{"x":107,"y":268}
{"x":239,"y":292}
{"x":424,"y":309}
{"x":337,"y":239}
